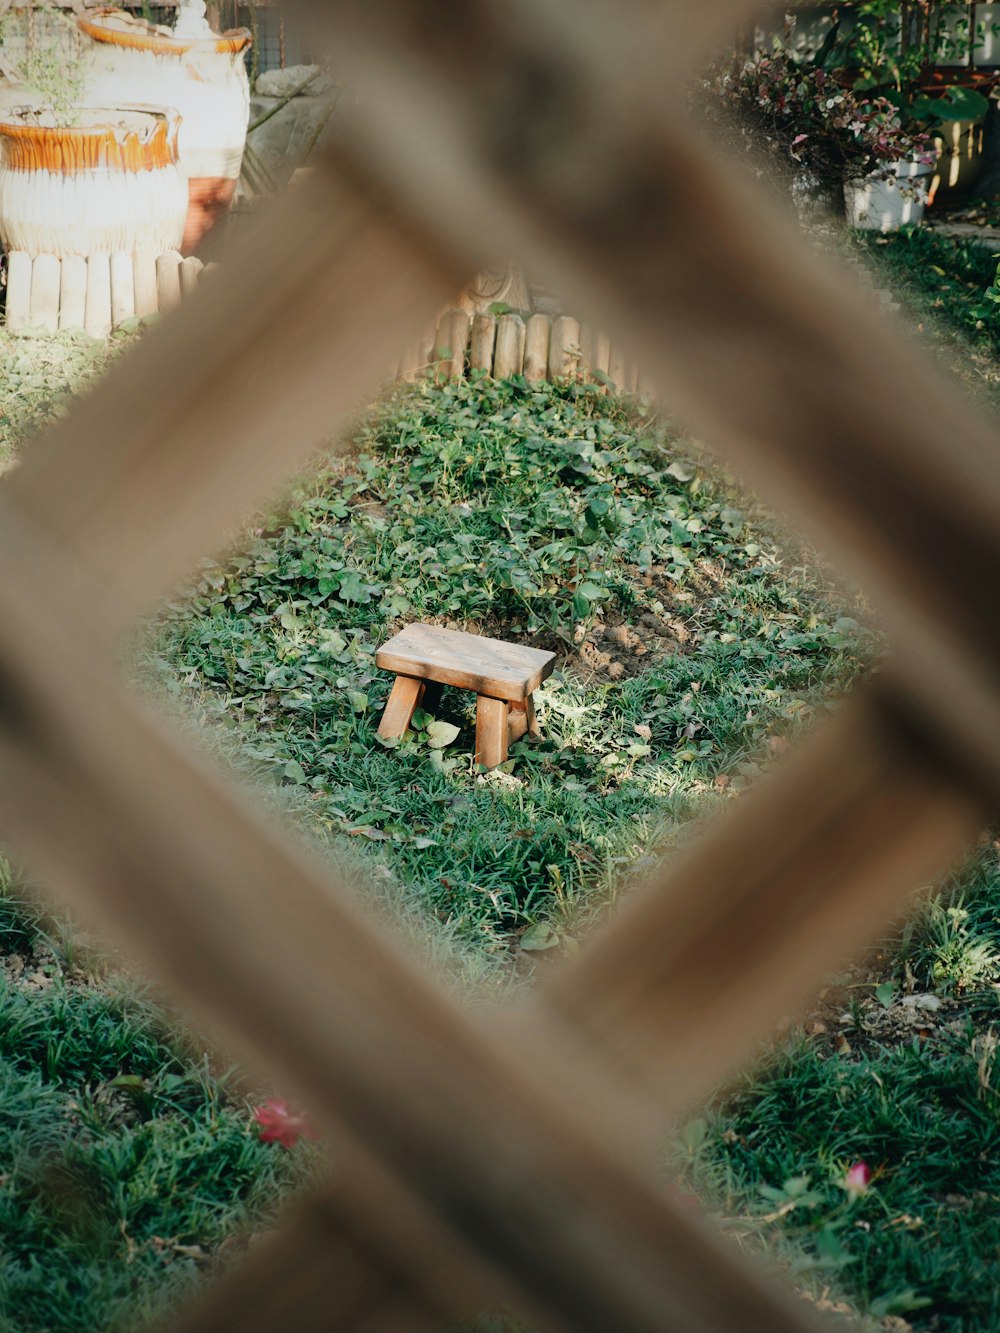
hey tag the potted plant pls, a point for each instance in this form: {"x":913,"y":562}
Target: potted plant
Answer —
{"x":200,"y":72}
{"x":921,"y":57}
{"x":76,"y":177}
{"x":98,"y":180}
{"x":827,"y":141}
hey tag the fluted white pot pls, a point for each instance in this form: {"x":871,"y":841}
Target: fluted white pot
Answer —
{"x":203,"y":75}
{"x":876,"y":204}
{"x":110,"y":182}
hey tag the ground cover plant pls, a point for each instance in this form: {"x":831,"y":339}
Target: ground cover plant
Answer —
{"x":945,"y":281}
{"x":895,"y":1066}
{"x":692,"y":642}
{"x":689,"y":642}
{"x":126,"y":1162}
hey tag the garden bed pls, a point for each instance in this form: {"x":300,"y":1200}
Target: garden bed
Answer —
{"x":692,"y":643}
{"x":129,"y":1167}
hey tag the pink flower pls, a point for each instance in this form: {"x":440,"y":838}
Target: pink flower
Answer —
{"x":857,"y":1180}
{"x":280,"y":1125}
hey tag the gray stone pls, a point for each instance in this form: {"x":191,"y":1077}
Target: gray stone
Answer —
{"x":282,"y":143}
{"x":291,"y":82}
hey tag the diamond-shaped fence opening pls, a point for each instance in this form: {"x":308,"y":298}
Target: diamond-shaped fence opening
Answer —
{"x":503,"y":1159}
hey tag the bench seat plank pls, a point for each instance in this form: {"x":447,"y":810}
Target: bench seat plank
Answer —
{"x":468,"y":661}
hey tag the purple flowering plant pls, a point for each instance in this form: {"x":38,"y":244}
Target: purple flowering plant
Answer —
{"x":803,"y":119}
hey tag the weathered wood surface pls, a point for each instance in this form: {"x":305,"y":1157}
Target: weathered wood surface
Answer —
{"x":122,"y":288}
{"x":72,"y":292}
{"x":45,"y":293}
{"x":147,"y":301}
{"x":97,"y":311}
{"x":509,"y":355}
{"x":18,"y":309}
{"x":404,"y":697}
{"x":536,"y":347}
{"x":564,"y":348}
{"x":482,"y":343}
{"x":491,"y":731}
{"x":452,"y":341}
{"x":168,"y":281}
{"x":468,"y":661}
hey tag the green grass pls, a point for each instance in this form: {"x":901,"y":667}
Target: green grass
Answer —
{"x":125,"y":1160}
{"x":554,"y":516}
{"x":911,"y":1091}
{"x":559,"y":517}
{"x":41,"y":376}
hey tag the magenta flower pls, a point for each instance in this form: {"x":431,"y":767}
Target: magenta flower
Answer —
{"x":857,"y":1180}
{"x":278,"y":1124}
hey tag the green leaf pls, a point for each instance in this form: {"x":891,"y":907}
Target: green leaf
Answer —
{"x":682,"y":471}
{"x":694,"y":1134}
{"x":357,"y":700}
{"x":440,"y":734}
{"x":591,"y":591}
{"x":539,"y":937}
{"x":885,"y":994}
{"x":130,"y":1083}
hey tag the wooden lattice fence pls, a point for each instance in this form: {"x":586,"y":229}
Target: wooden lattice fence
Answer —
{"x":485,"y":1159}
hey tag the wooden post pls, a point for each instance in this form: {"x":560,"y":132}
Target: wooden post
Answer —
{"x":144,"y":282}
{"x":97,"y":314}
{"x":602,"y":353}
{"x":73,"y":292}
{"x":517,"y":721}
{"x":491,"y":730}
{"x":406,"y":693}
{"x":452,"y":341}
{"x":484,"y":332}
{"x":18,"y":290}
{"x":190,"y":275}
{"x":427,"y":349}
{"x":618,"y":370}
{"x":536,"y":348}
{"x":45,"y":277}
{"x":409,"y":364}
{"x":508,"y":359}
{"x":564,"y":349}
{"x":168,"y":282}
{"x":122,"y":288}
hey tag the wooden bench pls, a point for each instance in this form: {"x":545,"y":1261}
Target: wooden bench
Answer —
{"x":501,"y":675}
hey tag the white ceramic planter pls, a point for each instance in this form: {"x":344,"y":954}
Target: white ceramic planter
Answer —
{"x":111,"y":183}
{"x":203,"y":76}
{"x":886,"y":205}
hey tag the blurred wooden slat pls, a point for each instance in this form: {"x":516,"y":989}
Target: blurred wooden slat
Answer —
{"x":778,"y":358}
{"x":479,"y":1159}
{"x":538,"y":1186}
{"x":741,"y":927}
{"x":219,"y":405}
{"x":315,"y":1275}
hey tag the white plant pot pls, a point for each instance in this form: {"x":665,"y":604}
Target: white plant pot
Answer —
{"x":110,"y":182}
{"x":202,"y":74}
{"x":874,"y":204}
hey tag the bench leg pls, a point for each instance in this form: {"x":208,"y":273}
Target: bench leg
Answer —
{"x":406,"y":695}
{"x":491,"y":730}
{"x":533,"y":727}
{"x":522,"y":719}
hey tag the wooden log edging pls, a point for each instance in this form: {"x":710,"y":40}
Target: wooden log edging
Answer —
{"x":502,"y":345}
{"x":99,"y":294}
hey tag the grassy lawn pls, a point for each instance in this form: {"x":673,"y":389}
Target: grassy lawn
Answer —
{"x":692,"y":642}
{"x":688,"y":644}
{"x":126,"y":1162}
